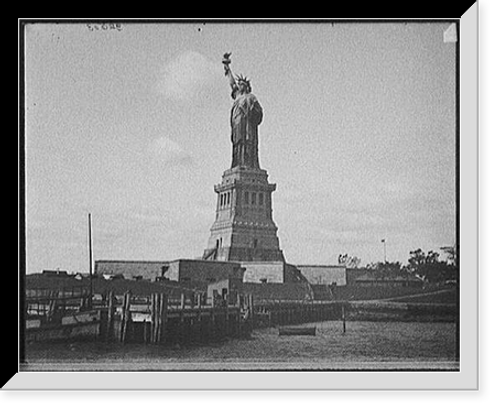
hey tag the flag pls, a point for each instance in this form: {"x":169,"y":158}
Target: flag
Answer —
{"x":383,"y":240}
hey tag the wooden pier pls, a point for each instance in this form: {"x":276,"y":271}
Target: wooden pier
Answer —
{"x":155,"y":314}
{"x":159,"y":319}
{"x":151,"y":319}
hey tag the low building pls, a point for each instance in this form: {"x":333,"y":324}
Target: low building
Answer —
{"x":271,"y":272}
{"x":188,"y":272}
{"x":148,"y":269}
{"x":55,"y":273}
{"x":202,"y":272}
{"x":262,"y":292}
{"x":352,"y":274}
{"x":199,"y":273}
{"x":324,"y":274}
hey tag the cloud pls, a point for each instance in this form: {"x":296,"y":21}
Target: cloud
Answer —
{"x":167,"y":151}
{"x":188,"y":74}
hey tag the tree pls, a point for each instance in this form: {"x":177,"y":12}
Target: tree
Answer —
{"x":451,"y":254}
{"x":349,"y":261}
{"x":387,"y":270}
{"x":427,"y":266}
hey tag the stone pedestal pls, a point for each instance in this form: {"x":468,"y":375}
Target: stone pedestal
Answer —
{"x":244,"y":229}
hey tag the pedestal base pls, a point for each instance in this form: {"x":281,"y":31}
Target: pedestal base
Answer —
{"x":244,"y":229}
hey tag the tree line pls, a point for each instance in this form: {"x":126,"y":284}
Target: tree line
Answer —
{"x":424,"y":266}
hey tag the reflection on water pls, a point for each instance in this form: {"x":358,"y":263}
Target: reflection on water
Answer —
{"x":365,"y":345}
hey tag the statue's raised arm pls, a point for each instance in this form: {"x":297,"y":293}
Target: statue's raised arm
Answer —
{"x":227,"y":72}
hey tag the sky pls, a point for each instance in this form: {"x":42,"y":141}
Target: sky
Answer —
{"x":131,"y":124}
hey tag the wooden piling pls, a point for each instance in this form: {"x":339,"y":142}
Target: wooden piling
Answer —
{"x":250,"y":308}
{"x":182,"y":328}
{"x":238,"y":314}
{"x":156,"y":316}
{"x":144,"y":332}
{"x":161,"y":317}
{"x":212,"y":323}
{"x":111,"y":312}
{"x":63,"y":300}
{"x":53,"y":304}
{"x":122,"y":319}
{"x":199,"y":319}
{"x":226,"y":315}
{"x":277,"y":308}
{"x":125,"y":317}
{"x":166,"y":324}
{"x":159,"y":308}
{"x":153,"y":316}
{"x":343,"y":319}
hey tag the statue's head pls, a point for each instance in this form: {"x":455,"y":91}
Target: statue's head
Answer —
{"x":243,"y":84}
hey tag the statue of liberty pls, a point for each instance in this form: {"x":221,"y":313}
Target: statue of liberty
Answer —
{"x":246,"y":115}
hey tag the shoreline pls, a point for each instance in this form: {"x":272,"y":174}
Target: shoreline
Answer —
{"x":365,"y":346}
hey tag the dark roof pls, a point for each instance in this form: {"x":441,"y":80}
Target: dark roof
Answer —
{"x":102,"y":286}
{"x":156,"y":262}
{"x":322,"y":266}
{"x":131,"y":261}
{"x":54,"y":273}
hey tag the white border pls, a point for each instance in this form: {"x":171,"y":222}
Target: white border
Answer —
{"x":465,"y":379}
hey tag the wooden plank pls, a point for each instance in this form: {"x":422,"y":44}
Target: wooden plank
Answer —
{"x":82,"y":317}
{"x":33,"y":323}
{"x":140,"y":317}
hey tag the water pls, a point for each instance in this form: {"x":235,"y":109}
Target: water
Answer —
{"x":365,"y":345}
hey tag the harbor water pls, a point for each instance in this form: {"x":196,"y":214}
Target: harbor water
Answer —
{"x":364,"y":346}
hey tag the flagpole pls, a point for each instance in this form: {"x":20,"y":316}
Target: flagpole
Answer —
{"x":90,"y":262}
{"x":385,"y":251}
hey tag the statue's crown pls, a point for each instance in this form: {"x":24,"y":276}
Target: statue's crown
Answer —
{"x":242,"y":79}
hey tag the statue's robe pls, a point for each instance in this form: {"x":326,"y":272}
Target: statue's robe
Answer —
{"x":246,"y":115}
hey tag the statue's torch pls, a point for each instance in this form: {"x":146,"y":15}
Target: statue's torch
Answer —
{"x":226,"y":61}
